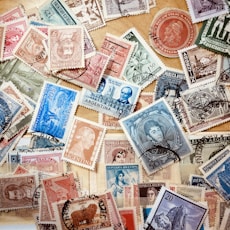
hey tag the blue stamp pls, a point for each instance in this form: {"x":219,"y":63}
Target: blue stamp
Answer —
{"x":169,"y":85}
{"x":156,"y":136}
{"x":219,"y":177}
{"x":114,"y":97}
{"x":118,"y":176}
{"x":57,"y":12}
{"x":55,"y":109}
{"x":174,"y":211}
{"x":9,"y":109}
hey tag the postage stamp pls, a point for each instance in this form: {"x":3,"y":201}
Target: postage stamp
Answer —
{"x":204,"y":107}
{"x":14,"y":32}
{"x":144,"y":66}
{"x":208,"y":165}
{"x":56,"y":107}
{"x":225,"y":224}
{"x":171,"y":30}
{"x":111,"y":122}
{"x":31,"y":50}
{"x":89,"y":76}
{"x":120,"y":51}
{"x":88,"y":13}
{"x":90,"y":213}
{"x":115,"y":9}
{"x":118,"y":176}
{"x":67,"y":44}
{"x":84,"y":143}
{"x":10,"y":108}
{"x":218,"y":177}
{"x":47,"y":161}
{"x":59,"y":188}
{"x":215,"y":35}
{"x":13,"y":14}
{"x":175,"y":211}
{"x":206,"y":145}
{"x":116,"y":149}
{"x":20,"y":170}
{"x":203,"y":10}
{"x":114,"y":97}
{"x":56,"y":12}
{"x":200,"y":65}
{"x":156,"y":136}
{"x":2,"y":40}
{"x":169,"y":85}
{"x":198,"y":180}
{"x":223,"y":71}
{"x":128,"y":217}
{"x":17,"y":191}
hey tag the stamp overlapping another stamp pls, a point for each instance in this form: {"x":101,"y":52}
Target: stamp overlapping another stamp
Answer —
{"x":17,"y":191}
{"x":215,"y":35}
{"x":84,"y":143}
{"x":55,"y":110}
{"x":172,"y":30}
{"x":67,"y":44}
{"x":156,"y":136}
{"x":144,"y":66}
{"x":200,"y":65}
{"x":223,"y":71}
{"x":203,"y":10}
{"x":128,"y":217}
{"x":119,"y":50}
{"x":174,"y":211}
{"x":114,"y":97}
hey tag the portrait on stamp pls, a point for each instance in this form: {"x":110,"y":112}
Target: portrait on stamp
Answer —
{"x":125,"y":94}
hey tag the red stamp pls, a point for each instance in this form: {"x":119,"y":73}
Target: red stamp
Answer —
{"x":31,"y":50}
{"x":16,"y":191}
{"x":20,"y":170}
{"x":128,"y":218}
{"x":120,"y":51}
{"x":67,"y":44}
{"x":84,"y":143}
{"x":59,"y":188}
{"x":171,"y":30}
{"x":14,"y":32}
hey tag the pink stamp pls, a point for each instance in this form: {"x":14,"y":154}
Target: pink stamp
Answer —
{"x":31,"y":50}
{"x":67,"y":44}
{"x":89,"y":76}
{"x":84,"y":143}
{"x":14,"y":32}
{"x":59,"y":188}
{"x":17,"y":191}
{"x":120,"y":51}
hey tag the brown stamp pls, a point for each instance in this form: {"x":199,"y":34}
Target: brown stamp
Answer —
{"x":31,"y":50}
{"x":67,"y":44}
{"x":84,"y":143}
{"x":16,"y":191}
{"x":172,"y":29}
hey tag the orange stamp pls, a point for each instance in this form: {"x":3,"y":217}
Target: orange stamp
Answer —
{"x":84,"y":143}
{"x":67,"y":47}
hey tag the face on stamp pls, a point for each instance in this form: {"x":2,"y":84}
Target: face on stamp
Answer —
{"x":171,"y":30}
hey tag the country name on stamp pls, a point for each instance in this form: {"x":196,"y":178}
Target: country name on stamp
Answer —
{"x":67,"y":44}
{"x":200,"y":65}
{"x":119,"y":50}
{"x":215,"y":34}
{"x":17,"y":191}
{"x":156,"y":136}
{"x":203,"y":10}
{"x":173,"y":210}
{"x":54,"y":111}
{"x":143,"y":66}
{"x":31,"y":50}
{"x":114,"y":97}
{"x":89,"y":76}
{"x":84,"y":143}
{"x":115,"y":9}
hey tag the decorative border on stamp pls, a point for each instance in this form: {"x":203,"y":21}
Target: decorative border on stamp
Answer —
{"x":156,"y":136}
{"x":84,"y":143}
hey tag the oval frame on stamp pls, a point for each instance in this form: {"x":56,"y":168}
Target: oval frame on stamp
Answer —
{"x":172,"y":29}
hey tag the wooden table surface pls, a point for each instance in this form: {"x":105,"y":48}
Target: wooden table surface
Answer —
{"x":118,"y":27}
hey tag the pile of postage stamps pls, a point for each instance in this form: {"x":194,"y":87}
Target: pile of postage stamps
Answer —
{"x":149,"y":162}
